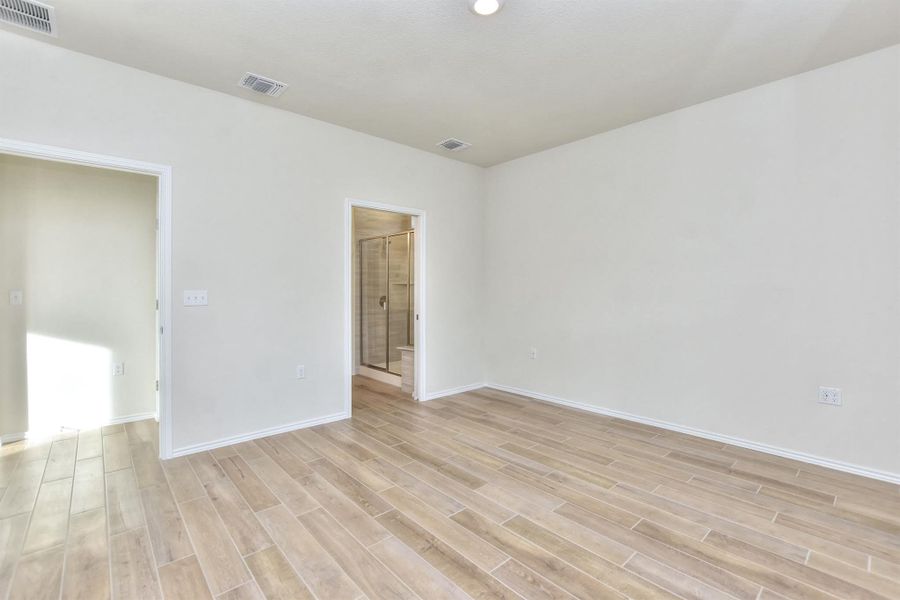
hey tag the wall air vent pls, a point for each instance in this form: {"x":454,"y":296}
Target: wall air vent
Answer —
{"x":453,"y":145}
{"x":260,"y":84}
{"x":29,"y":14}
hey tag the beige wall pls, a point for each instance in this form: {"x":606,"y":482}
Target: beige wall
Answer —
{"x":713,"y":266}
{"x":13,"y":375}
{"x":81,"y":244}
{"x":259,"y":208}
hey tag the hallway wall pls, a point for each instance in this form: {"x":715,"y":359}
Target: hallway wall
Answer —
{"x":80,"y":243}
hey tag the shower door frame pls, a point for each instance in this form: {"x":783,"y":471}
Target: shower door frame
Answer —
{"x":410,"y":305}
{"x":420,"y":279}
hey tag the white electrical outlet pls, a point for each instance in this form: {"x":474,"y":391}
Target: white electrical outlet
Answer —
{"x":15,"y":297}
{"x":532,"y":354}
{"x":830,"y":395}
{"x":196,"y":298}
{"x":118,"y":369}
{"x":301,"y":372}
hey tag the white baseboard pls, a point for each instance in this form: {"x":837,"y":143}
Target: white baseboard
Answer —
{"x":452,"y":391}
{"x":725,"y":439}
{"x":131,"y":418}
{"x":9,"y":438}
{"x":245,"y":437}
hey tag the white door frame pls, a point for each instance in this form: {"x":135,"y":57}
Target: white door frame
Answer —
{"x":163,"y":173}
{"x":420,"y":315}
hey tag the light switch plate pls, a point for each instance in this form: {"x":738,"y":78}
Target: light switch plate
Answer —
{"x":196,"y":298}
{"x":118,"y":369}
{"x":16,"y":297}
{"x":301,"y":372}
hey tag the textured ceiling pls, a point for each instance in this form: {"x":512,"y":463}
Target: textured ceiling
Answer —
{"x":535,"y":75}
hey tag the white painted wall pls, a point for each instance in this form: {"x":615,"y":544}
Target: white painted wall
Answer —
{"x":710,"y":267}
{"x":259,"y":197}
{"x":81,"y":244}
{"x":713,"y":266}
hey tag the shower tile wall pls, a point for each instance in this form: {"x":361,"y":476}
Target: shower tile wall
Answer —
{"x":399,"y":261}
{"x":368,"y":223}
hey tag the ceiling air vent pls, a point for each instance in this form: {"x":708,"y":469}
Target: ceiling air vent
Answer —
{"x":29,"y":14}
{"x":453,"y":145}
{"x":260,"y":84}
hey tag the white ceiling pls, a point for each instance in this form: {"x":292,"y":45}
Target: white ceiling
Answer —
{"x":535,"y":75}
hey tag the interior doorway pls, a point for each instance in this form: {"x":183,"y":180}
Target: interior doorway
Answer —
{"x":89,"y":281}
{"x":385,"y":300}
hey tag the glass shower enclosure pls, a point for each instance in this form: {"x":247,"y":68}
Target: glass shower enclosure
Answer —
{"x":386,"y":297}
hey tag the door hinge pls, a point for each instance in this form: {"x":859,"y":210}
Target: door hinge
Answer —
{"x":160,"y":331}
{"x":157,"y":385}
{"x":157,"y":305}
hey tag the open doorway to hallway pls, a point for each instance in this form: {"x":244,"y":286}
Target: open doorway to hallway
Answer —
{"x":78,"y":334}
{"x":384,"y":311}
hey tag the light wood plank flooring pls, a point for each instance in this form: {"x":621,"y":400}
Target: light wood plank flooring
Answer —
{"x":479,"y":495}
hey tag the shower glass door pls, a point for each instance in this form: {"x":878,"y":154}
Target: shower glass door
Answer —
{"x":386,"y":315}
{"x":373,"y":302}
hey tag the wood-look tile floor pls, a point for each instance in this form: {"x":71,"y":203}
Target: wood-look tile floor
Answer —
{"x":479,"y":495}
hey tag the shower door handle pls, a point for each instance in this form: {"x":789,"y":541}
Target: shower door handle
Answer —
{"x":382,"y":302}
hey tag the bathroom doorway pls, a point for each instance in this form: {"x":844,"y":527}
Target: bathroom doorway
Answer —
{"x":386,"y":324}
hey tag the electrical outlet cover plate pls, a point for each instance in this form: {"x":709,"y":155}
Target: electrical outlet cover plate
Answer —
{"x":15,"y":297}
{"x":301,"y":372}
{"x":118,"y":369}
{"x":196,"y":298}
{"x":830,"y":396}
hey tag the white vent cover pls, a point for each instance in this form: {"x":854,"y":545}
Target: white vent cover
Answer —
{"x":260,"y":84}
{"x":29,"y":14}
{"x":454,"y":145}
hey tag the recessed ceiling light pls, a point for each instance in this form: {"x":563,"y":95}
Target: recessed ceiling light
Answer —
{"x":485,"y":7}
